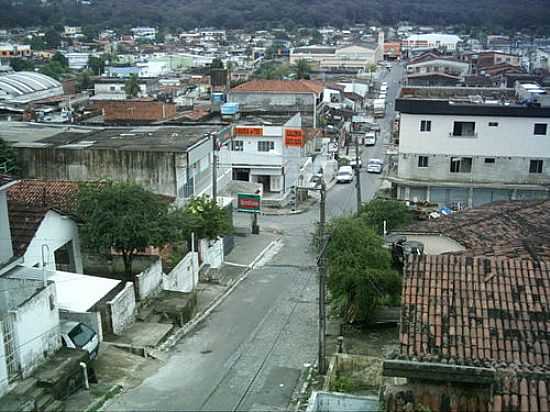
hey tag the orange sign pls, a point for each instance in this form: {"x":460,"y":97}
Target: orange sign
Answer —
{"x":249,"y":131}
{"x":294,"y":137}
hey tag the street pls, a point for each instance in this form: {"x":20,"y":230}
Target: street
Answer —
{"x":249,"y":353}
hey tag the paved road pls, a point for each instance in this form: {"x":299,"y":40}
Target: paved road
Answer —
{"x":250,"y":352}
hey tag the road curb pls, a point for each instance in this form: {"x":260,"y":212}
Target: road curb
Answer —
{"x":100,"y":402}
{"x":188,"y":327}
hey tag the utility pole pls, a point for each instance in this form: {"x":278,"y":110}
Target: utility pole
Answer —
{"x":357,"y":173}
{"x":322,"y":280}
{"x":214,"y":167}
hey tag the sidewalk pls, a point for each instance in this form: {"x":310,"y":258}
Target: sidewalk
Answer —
{"x":118,"y":370}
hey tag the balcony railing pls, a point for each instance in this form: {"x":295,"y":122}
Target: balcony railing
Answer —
{"x":471,"y":135}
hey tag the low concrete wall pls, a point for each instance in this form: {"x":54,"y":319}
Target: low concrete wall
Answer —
{"x":122,"y":309}
{"x":91,"y":319}
{"x":211,"y":252}
{"x":185,"y":276}
{"x":149,"y":281}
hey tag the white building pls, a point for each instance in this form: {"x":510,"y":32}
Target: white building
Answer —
{"x":25,"y":87}
{"x":77,"y":61}
{"x":447,"y":42}
{"x":466,"y":147}
{"x":114,"y":88}
{"x":269,"y":155}
{"x":331,"y":58}
{"x":148,"y":33}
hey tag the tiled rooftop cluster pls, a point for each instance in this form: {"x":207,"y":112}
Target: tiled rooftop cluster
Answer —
{"x":515,"y":229}
{"x":59,"y":195}
{"x":492,"y":313}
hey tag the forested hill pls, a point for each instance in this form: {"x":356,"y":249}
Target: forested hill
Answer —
{"x":502,"y":15}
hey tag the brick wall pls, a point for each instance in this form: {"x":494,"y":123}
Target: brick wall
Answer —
{"x":135,"y":110}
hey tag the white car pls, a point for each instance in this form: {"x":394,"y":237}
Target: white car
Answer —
{"x":353,"y":163}
{"x":375,"y":166}
{"x":370,"y":139}
{"x":77,"y":335}
{"x":345,"y":175}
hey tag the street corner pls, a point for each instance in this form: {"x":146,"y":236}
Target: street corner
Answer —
{"x":250,"y":248}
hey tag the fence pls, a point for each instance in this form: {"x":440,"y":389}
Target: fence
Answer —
{"x":122,"y":309}
{"x":185,"y":276}
{"x":149,"y":281}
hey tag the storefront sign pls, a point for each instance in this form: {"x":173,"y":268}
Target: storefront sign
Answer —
{"x":294,"y":137}
{"x":249,"y":131}
{"x":249,"y":203}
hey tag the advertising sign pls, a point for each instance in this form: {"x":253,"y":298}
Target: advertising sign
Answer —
{"x":249,"y":203}
{"x":249,"y":131}
{"x":294,"y":137}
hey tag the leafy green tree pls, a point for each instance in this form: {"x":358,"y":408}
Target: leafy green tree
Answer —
{"x":316,"y":38}
{"x":131,"y":87}
{"x":53,"y":69}
{"x":301,"y":69}
{"x":217,"y":63}
{"x":19,"y":64}
{"x":84,"y":80}
{"x":124,"y":217}
{"x":52,"y":39}
{"x":96,"y":65}
{"x":395,"y":213}
{"x":8,"y":160}
{"x":61,"y":59}
{"x":360,"y":274}
{"x":205,"y":218}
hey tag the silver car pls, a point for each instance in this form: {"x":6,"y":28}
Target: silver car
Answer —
{"x":375,"y":166}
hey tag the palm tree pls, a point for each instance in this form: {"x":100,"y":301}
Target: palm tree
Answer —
{"x":301,"y":69}
{"x":131,"y":87}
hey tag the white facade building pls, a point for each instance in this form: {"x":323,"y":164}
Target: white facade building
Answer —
{"x":148,"y":33}
{"x":448,"y":42}
{"x":466,"y":152}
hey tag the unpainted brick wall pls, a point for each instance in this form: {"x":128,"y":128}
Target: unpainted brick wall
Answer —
{"x":136,"y":110}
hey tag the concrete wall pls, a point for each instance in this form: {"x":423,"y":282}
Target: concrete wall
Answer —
{"x":36,"y":328}
{"x":511,"y":169}
{"x":185,"y":276}
{"x":156,"y":171}
{"x":6,"y":251}
{"x":149,"y":281}
{"x":55,"y":231}
{"x":211,"y":252}
{"x":122,"y":309}
{"x":92,"y":319}
{"x":135,"y":110}
{"x":3,"y":367}
{"x":263,"y":100}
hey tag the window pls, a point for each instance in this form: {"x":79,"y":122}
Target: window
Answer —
{"x":425,"y":125}
{"x":489,"y":160}
{"x":237,"y":146}
{"x":422,"y":161}
{"x":112,"y":88}
{"x":535,"y":166}
{"x":266,"y":146}
{"x":464,"y":129}
{"x":493,"y":124}
{"x":461,"y":164}
{"x":540,"y":128}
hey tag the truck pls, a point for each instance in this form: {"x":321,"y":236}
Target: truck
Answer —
{"x":379,"y":106}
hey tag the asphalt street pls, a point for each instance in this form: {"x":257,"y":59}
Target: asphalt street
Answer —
{"x":249,"y":353}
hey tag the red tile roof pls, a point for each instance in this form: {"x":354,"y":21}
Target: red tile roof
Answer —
{"x":486,"y":313}
{"x":280,"y":86}
{"x":24,"y":222}
{"x":60,"y":195}
{"x":515,"y":229}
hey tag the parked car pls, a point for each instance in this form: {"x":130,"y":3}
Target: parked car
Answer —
{"x":77,"y":335}
{"x":375,"y":166}
{"x":353,"y":163}
{"x":370,"y":139}
{"x":345,"y":175}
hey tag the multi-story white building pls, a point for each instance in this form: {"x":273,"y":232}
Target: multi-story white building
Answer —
{"x":466,"y":147}
{"x":148,"y":33}
{"x":447,"y":42}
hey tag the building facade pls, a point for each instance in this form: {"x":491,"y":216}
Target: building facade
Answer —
{"x":464,"y":153}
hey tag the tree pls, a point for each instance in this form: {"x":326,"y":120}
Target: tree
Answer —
{"x":395,"y":213}
{"x":19,"y":64}
{"x":8,"y":161}
{"x":53,"y":69}
{"x":84,"y":80}
{"x":61,"y":59}
{"x":131,"y":87}
{"x":96,"y":65}
{"x":360,"y":274}
{"x":217,"y":63}
{"x":124,"y":217}
{"x":301,"y":69}
{"x":205,"y":218}
{"x":52,"y":39}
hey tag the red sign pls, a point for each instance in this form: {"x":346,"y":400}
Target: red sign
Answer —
{"x":249,"y":202}
{"x":294,"y":137}
{"x":249,"y":131}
